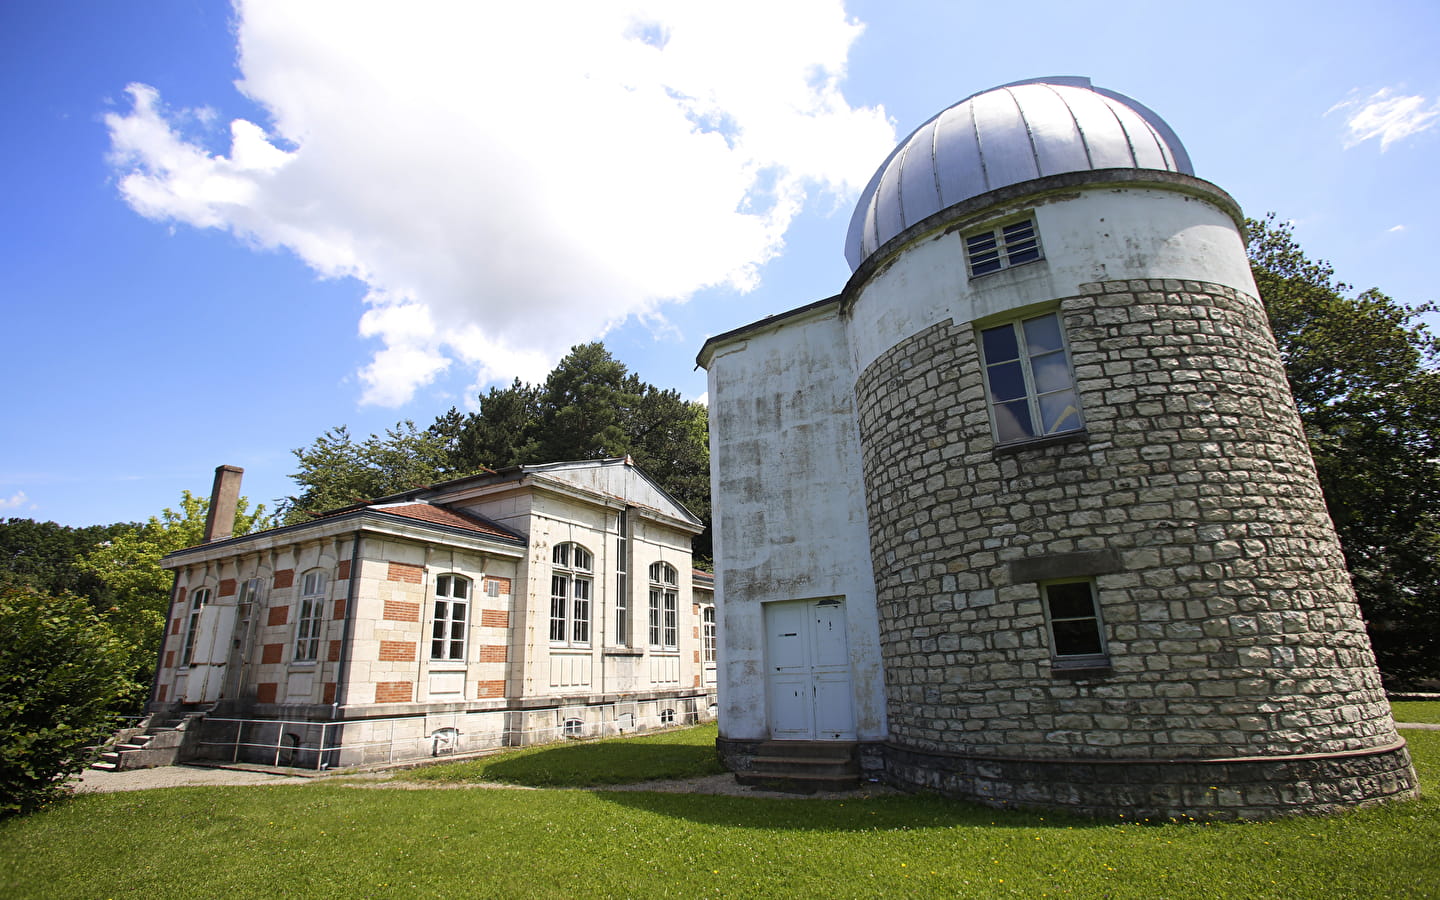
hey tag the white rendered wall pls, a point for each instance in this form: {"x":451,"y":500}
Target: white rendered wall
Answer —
{"x":1101,"y":234}
{"x":789,"y":508}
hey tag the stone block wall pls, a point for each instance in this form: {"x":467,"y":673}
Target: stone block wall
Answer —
{"x":1190,"y":496}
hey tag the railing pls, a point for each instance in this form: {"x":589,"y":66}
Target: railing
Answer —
{"x":319,"y":745}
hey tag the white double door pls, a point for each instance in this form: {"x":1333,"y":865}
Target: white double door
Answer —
{"x":807,"y":665}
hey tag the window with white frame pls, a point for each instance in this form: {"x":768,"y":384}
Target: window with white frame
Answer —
{"x":1077,"y":637}
{"x":664,"y":606}
{"x":1028,"y":378}
{"x":312,"y":616}
{"x":1002,"y":247}
{"x":570,"y":582}
{"x":199,"y":598}
{"x":709,"y":633}
{"x":667,"y":717}
{"x":622,"y":583}
{"x":451,"y":622}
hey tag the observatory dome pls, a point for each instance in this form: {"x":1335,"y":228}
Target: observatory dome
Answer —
{"x":1008,"y":135}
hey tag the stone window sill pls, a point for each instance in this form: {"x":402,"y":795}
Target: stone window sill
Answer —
{"x":1050,"y":440}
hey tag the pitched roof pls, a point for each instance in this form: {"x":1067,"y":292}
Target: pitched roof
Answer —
{"x":439,"y":515}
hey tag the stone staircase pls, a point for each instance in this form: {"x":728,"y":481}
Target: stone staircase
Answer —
{"x":156,"y":742}
{"x":804,"y":767}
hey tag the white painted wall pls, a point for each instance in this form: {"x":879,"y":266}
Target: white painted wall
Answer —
{"x":1101,"y":234}
{"x":789,"y":508}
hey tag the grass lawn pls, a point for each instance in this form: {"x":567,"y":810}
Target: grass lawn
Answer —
{"x":684,"y":753}
{"x":1419,"y":712}
{"x":323,"y":840}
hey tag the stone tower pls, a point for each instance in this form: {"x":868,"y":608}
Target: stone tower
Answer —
{"x":1102,"y":572}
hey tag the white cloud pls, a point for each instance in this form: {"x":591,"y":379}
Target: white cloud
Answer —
{"x":15,"y":501}
{"x":1395,"y":229}
{"x":1386,"y":116}
{"x":510,"y":180}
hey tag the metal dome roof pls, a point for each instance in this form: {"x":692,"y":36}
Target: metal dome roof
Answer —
{"x":1003,"y":136}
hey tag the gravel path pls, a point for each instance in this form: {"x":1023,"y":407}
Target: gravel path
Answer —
{"x":96,"y":781}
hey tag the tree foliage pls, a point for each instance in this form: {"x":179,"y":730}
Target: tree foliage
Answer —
{"x":590,"y":406}
{"x":46,"y":556}
{"x":138,"y":590}
{"x":63,"y":676}
{"x":1363,"y":369}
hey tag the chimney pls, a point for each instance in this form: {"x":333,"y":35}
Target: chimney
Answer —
{"x":224,"y":497}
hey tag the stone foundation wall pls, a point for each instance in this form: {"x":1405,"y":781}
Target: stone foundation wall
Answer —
{"x":1180,"y":790}
{"x":1191,"y":499}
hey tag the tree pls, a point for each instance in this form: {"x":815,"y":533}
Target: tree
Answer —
{"x":45,"y":555}
{"x":1363,"y":369}
{"x":129,"y":567}
{"x":336,"y":472}
{"x":589,"y":407}
{"x":63,"y":677}
{"x":503,"y":432}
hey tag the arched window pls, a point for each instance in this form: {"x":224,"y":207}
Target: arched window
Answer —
{"x":667,"y":717}
{"x":570,"y":581}
{"x":198,"y":598}
{"x":312,"y":616}
{"x":452,"y":617}
{"x":664,"y":606}
{"x":709,"y":618}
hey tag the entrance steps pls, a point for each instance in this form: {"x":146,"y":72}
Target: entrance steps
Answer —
{"x":156,"y":743}
{"x":804,"y":767}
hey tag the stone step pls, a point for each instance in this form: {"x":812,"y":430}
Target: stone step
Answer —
{"x":803,"y":765}
{"x":797,"y":783}
{"x":105,"y":766}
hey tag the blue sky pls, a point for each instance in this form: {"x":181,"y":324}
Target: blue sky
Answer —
{"x":417,"y":204}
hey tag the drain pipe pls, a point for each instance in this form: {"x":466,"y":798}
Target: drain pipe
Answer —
{"x":342,"y":678}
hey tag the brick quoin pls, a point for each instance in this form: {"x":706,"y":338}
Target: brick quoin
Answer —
{"x":494,"y":653}
{"x":485,"y":689}
{"x":283,"y":579}
{"x":169,"y":659}
{"x":495,"y":618}
{"x":227,"y":587}
{"x":397,"y":611}
{"x":265,"y":691}
{"x":697,"y":680}
{"x":279,"y":615}
{"x":502,"y":584}
{"x":180,"y":598}
{"x":339,"y":612}
{"x":329,"y":696}
{"x":397,"y":651}
{"x":697,"y":656}
{"x":164,"y":689}
{"x":175,"y":626}
{"x":406,"y":573}
{"x":334,"y":654}
{"x":392,"y":691}
{"x":343,"y":573}
{"x":271,"y":653}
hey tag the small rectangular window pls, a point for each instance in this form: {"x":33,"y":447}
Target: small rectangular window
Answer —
{"x":1002,"y":247}
{"x":1076,"y":633}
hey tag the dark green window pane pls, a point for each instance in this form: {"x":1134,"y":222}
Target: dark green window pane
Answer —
{"x":1012,"y":421}
{"x":1042,"y":335}
{"x":1070,"y":601}
{"x":1000,"y":344}
{"x":1051,"y":372}
{"x":1007,"y":381}
{"x":1078,"y":637}
{"x":1059,"y":412}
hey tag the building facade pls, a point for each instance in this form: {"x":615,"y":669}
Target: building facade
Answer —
{"x":1027,"y":511}
{"x":526,"y":605}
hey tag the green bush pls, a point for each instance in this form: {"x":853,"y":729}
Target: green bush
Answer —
{"x":62,"y":677}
